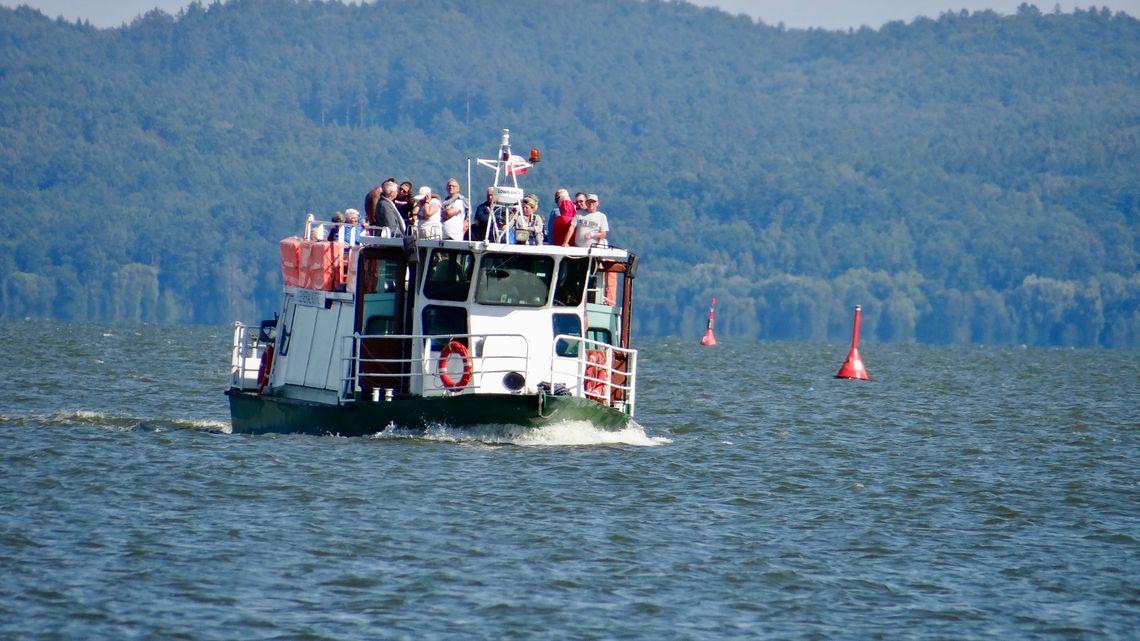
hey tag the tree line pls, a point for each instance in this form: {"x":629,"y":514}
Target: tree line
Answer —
{"x":968,"y":177}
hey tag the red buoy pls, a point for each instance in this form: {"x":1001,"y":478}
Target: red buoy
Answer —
{"x":709,"y":339}
{"x":853,"y":366}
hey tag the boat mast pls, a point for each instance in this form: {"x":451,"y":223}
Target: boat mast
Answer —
{"x":506,"y":201}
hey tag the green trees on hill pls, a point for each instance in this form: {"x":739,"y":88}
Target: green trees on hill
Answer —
{"x":969,"y":178}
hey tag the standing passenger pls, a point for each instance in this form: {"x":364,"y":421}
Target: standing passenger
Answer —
{"x":454,"y":212}
{"x":481,"y":216}
{"x":562,"y":227}
{"x":529,"y":225}
{"x":591,"y":228}
{"x":426,"y":213}
{"x":386,"y":213}
{"x":404,"y":200}
{"x":554,"y":213}
{"x":370,"y":201}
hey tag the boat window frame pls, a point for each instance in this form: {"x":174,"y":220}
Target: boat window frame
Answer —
{"x":451,"y":330}
{"x":447,"y":286}
{"x":600,"y":334}
{"x":502,"y":265}
{"x":565,"y":293}
{"x":566,"y":348}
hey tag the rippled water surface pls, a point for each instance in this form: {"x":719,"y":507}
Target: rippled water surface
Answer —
{"x":963,"y":493}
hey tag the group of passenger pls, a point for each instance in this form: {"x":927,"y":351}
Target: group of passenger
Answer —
{"x":392,"y":210}
{"x":346,"y":228}
{"x":574,"y":222}
{"x":585,"y":227}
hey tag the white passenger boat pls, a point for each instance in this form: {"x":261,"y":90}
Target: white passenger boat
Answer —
{"x":405,"y":333}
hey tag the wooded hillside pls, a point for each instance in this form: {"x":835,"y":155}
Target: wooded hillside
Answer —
{"x":971,"y":178}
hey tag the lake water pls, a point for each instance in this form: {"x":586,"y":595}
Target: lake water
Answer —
{"x":962,"y":493}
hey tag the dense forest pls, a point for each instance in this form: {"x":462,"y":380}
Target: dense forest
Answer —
{"x":972,"y":177}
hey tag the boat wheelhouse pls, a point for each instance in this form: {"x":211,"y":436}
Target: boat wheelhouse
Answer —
{"x":408,"y":333}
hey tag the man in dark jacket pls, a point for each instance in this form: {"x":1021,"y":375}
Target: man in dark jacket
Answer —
{"x":481,"y":216}
{"x":386,"y":213}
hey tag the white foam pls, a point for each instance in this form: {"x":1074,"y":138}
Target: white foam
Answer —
{"x":130,"y":423}
{"x":566,"y":433}
{"x":204,"y":424}
{"x":585,"y":433}
{"x":84,"y":415}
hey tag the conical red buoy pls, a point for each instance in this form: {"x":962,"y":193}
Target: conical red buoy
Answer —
{"x":853,"y":366}
{"x":709,"y":339}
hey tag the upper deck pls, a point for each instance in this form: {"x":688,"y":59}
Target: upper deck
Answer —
{"x":309,"y":263}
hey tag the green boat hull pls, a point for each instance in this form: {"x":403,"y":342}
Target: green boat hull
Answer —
{"x":253,"y":413}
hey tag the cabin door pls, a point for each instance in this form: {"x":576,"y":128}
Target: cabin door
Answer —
{"x":382,"y":298}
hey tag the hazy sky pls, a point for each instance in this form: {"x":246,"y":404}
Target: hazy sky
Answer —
{"x":829,"y":14}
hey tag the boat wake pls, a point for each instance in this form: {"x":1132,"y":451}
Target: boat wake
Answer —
{"x":84,"y":418}
{"x":566,"y":433}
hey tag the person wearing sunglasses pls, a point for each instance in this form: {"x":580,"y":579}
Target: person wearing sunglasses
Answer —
{"x":592,"y":226}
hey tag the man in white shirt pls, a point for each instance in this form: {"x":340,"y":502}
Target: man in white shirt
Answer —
{"x":592,"y":226}
{"x":454,"y":212}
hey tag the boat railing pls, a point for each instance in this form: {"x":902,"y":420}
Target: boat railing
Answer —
{"x":377,"y":367}
{"x":312,"y":261}
{"x":482,"y":363}
{"x":245,"y":356}
{"x":332,"y":267}
{"x":316,"y":229}
{"x":469,"y":361}
{"x":606,"y":374}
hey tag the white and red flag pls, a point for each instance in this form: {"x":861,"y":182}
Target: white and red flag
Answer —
{"x":517,"y":165}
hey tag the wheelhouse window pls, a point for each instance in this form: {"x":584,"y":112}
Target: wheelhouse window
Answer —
{"x":379,"y":274}
{"x":445,"y":321}
{"x":570,"y":324}
{"x":449,"y":275}
{"x":571,"y":283}
{"x":600,"y":334}
{"x":512,"y":279}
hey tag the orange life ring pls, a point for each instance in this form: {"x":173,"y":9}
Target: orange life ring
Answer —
{"x":264,"y":369}
{"x":597,"y":376}
{"x":444,"y":377}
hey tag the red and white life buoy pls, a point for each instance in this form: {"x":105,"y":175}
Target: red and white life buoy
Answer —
{"x":264,"y":369}
{"x":454,"y":347}
{"x":597,"y":376}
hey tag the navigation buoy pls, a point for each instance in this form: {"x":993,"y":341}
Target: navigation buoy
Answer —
{"x":709,"y":339}
{"x":853,"y":366}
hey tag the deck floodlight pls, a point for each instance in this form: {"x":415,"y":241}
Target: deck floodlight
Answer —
{"x":514,"y":381}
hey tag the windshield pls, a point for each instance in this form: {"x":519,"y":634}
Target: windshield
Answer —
{"x":513,"y":279}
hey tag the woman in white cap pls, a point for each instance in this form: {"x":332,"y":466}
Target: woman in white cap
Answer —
{"x":426,"y":212}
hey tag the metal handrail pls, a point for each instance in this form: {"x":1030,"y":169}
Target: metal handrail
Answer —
{"x":604,"y":372}
{"x":426,"y":365}
{"x":248,"y":348}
